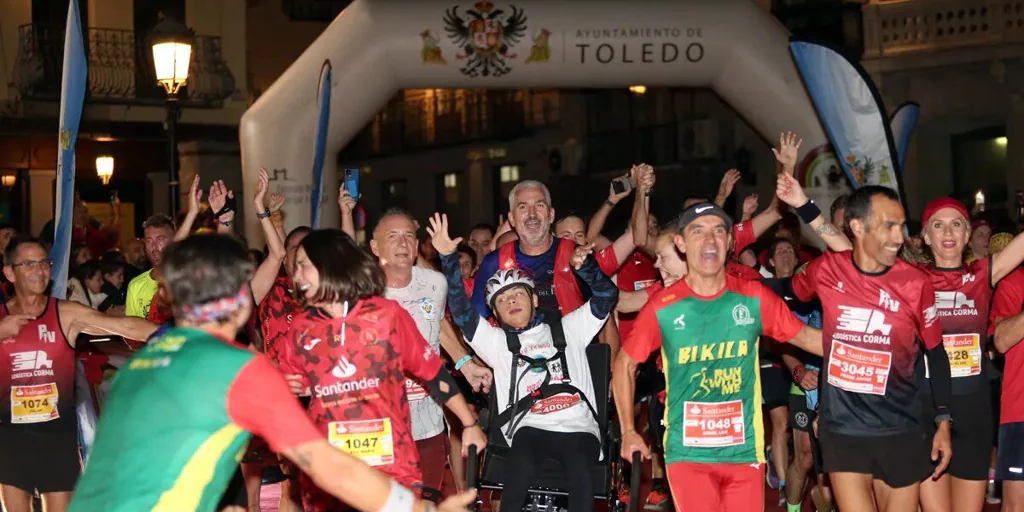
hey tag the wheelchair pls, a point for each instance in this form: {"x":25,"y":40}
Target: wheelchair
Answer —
{"x":548,"y":494}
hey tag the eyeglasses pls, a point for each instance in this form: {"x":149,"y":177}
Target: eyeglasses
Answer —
{"x":44,"y":264}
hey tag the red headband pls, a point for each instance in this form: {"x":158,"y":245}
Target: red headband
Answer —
{"x":943,"y":202}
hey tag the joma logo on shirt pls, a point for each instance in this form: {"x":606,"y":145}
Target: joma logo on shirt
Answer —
{"x":713,"y":351}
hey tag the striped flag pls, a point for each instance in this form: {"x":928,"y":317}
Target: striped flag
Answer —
{"x":72,"y":98}
{"x":323,"y":103}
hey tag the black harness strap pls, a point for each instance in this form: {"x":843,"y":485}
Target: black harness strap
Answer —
{"x":519,"y":407}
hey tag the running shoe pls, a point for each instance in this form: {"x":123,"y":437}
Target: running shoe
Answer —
{"x":657,"y":499}
{"x":769,"y":473}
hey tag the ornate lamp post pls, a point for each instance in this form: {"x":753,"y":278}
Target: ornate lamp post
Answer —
{"x":172,"y":53}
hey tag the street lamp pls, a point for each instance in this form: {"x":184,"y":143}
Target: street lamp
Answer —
{"x":172,"y":53}
{"x":105,"y":168}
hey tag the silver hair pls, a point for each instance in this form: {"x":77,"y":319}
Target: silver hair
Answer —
{"x":527,"y":184}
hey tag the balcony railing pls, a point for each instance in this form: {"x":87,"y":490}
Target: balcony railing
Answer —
{"x":120,"y":68}
{"x":417,"y":120}
{"x":894,"y":28}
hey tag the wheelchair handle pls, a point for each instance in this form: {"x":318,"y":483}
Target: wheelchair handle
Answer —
{"x":472,"y":470}
{"x":634,"y":483}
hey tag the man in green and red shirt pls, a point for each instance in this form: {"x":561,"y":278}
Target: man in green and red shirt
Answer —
{"x":182,"y":410}
{"x":707,"y":327}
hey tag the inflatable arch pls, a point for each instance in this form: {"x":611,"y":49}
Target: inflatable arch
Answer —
{"x":378,"y":47}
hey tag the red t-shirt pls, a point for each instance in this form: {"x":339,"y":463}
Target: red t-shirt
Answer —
{"x":260,"y":401}
{"x":1009,"y":301}
{"x":636,"y":274}
{"x":276,"y":313}
{"x":962,"y":298}
{"x":356,"y":369}
{"x":871,"y":325}
{"x":743,"y":235}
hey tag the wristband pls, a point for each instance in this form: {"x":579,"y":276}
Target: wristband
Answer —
{"x":609,"y":203}
{"x":462,"y":362}
{"x":399,"y":499}
{"x":264,"y":215}
{"x":808,"y":212}
{"x":939,"y":418}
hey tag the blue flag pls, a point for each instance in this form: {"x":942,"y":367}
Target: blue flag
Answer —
{"x":323,"y":103}
{"x":72,"y":98}
{"x":851,"y":110}
{"x":902,"y":125}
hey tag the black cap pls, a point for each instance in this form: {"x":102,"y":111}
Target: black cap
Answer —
{"x":699,"y":210}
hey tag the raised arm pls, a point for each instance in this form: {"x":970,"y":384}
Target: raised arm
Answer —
{"x":222,"y":202}
{"x":604,"y":292}
{"x":729,"y":180}
{"x":263,"y":279}
{"x":463,"y":313}
{"x":77,"y":319}
{"x":790,"y":192}
{"x":347,"y":204}
{"x":599,"y":218}
{"x":1008,"y":259}
{"x":276,"y":201}
{"x":195,"y":196}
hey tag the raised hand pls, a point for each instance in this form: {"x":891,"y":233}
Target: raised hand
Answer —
{"x":615,"y":198}
{"x":219,"y":195}
{"x":645,"y":179}
{"x":579,"y":255}
{"x":438,"y":231}
{"x":789,"y":190}
{"x":729,"y":181}
{"x":261,"y":190}
{"x":789,"y":148}
{"x":195,"y":197}
{"x":345,"y":201}
{"x":275,"y":201}
{"x":749,"y":206}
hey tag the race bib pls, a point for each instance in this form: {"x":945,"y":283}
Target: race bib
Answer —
{"x":713,"y":425}
{"x":368,"y":440}
{"x":640,"y":285}
{"x":414,"y":391}
{"x":858,"y":370}
{"x":34,"y":404}
{"x":964,"y":351}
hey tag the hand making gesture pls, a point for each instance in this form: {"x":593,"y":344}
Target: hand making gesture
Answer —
{"x":438,"y":231}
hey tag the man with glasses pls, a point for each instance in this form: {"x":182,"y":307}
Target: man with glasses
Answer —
{"x":158,"y":233}
{"x":38,"y":424}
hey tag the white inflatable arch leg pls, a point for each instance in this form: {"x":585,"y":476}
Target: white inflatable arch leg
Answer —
{"x":377,"y":47}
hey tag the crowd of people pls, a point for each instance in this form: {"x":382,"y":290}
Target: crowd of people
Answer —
{"x":876,"y":370}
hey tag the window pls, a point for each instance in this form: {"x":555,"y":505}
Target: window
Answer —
{"x":394,"y":194}
{"x":505,"y":178}
{"x":448,"y":190}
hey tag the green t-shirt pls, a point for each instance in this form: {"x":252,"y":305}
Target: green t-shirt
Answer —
{"x":177,"y":421}
{"x":709,"y":347}
{"x":140,"y":294}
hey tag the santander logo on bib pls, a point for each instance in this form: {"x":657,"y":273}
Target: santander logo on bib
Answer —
{"x":555,"y":404}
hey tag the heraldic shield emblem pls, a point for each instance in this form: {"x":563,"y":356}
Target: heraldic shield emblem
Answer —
{"x":486,"y":36}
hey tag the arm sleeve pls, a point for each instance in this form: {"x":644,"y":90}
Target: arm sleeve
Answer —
{"x":260,"y":402}
{"x":941,"y":380}
{"x":743,"y":235}
{"x":486,"y":270}
{"x":607,"y":261}
{"x":1008,"y":299}
{"x":777,"y":321}
{"x":645,"y":337}
{"x":604,"y":293}
{"x":465,"y":316}
{"x":418,"y":359}
{"x":927,"y":319}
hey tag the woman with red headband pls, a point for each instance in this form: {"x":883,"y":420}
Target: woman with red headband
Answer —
{"x":963,"y":292}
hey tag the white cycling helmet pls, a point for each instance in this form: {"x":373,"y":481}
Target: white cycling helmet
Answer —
{"x":505,"y":279}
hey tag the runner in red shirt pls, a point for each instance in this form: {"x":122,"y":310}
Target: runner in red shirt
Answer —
{"x":963,"y":294}
{"x":354,"y":351}
{"x":876,"y":309}
{"x":1008,"y":319}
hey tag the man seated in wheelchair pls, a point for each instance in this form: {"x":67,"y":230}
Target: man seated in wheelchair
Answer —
{"x":541,"y":374}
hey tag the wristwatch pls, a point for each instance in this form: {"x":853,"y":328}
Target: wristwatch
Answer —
{"x":264,"y":215}
{"x":939,"y":418}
